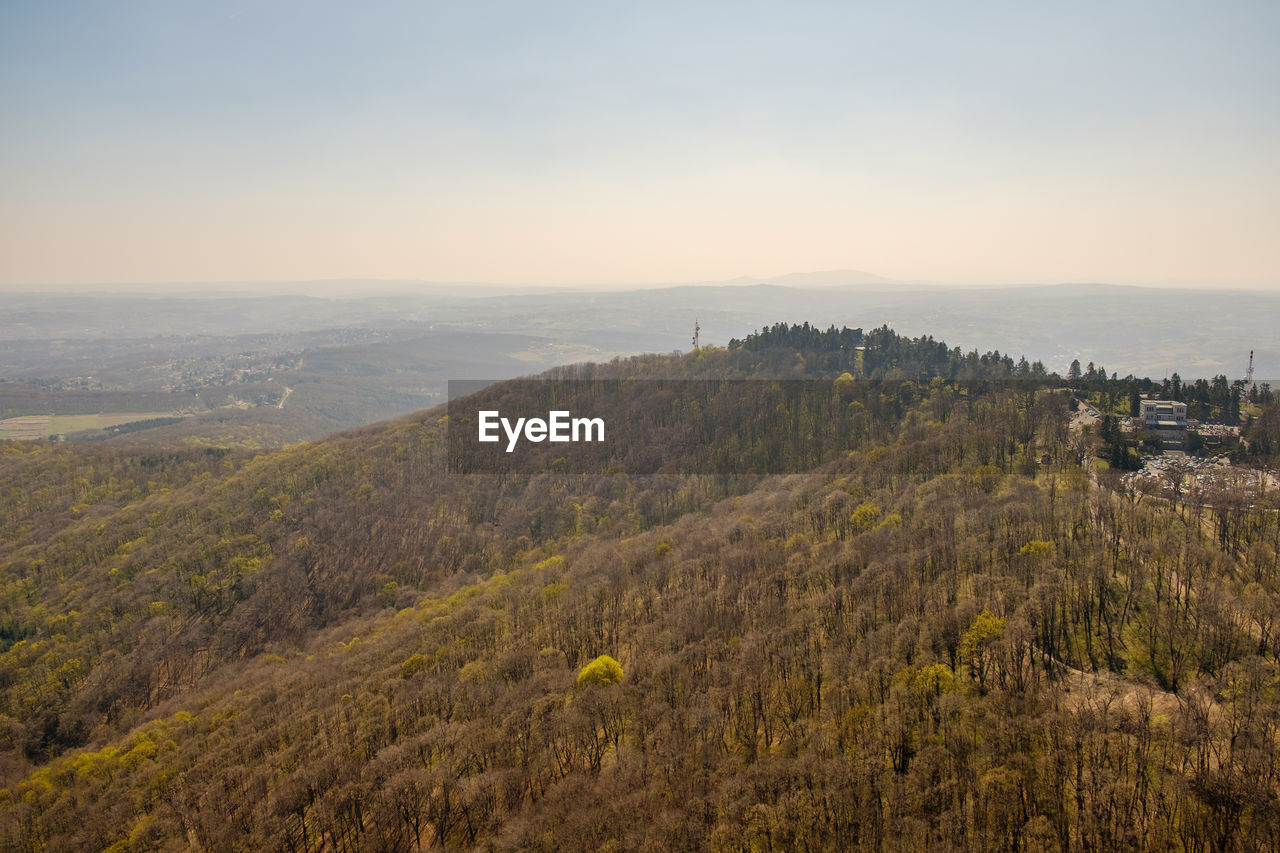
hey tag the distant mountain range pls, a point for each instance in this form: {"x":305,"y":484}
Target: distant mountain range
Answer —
{"x":1146,"y":331}
{"x":824,"y":278}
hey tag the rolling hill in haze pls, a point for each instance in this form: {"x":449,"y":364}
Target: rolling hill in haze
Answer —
{"x":262,"y":371}
{"x":947,"y":628}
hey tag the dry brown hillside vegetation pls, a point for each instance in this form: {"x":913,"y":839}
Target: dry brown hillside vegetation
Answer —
{"x":946,"y":633}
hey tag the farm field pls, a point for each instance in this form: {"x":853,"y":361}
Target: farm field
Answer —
{"x":31,"y":427}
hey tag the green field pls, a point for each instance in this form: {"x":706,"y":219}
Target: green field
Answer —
{"x":30,"y":427}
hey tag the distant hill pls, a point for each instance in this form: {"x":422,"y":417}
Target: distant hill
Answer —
{"x":351,"y":361}
{"x":829,"y":278}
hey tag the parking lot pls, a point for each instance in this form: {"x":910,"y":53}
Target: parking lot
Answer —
{"x":1200,"y":474}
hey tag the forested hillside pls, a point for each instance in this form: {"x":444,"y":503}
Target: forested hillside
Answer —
{"x":947,"y":629}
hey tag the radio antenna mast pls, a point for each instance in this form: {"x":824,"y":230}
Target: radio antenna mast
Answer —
{"x":1248,"y":374}
{"x":696,"y":330}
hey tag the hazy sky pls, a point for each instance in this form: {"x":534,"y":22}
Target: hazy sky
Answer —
{"x":597,"y":142}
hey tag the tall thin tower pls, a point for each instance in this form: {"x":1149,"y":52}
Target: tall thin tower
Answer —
{"x":696,"y":330}
{"x":1248,"y":374}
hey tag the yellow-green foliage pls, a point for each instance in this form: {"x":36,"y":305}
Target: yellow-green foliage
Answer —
{"x":412,"y":665}
{"x":474,"y":671}
{"x":387,"y":593}
{"x":865,"y":516}
{"x":844,"y":386}
{"x":934,"y":679}
{"x":1036,"y":547}
{"x":985,"y":629}
{"x":893,"y":520}
{"x":551,"y":592}
{"x":602,"y":670}
{"x":143,"y":749}
{"x":100,"y":764}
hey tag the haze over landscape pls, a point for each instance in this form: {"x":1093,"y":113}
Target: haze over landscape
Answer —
{"x":927,"y":495}
{"x":589,"y":144}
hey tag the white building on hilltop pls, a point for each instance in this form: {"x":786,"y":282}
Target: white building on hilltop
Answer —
{"x":1164,"y":414}
{"x":1167,"y":419}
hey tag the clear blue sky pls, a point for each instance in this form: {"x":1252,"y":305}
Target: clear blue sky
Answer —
{"x":608,"y":142}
